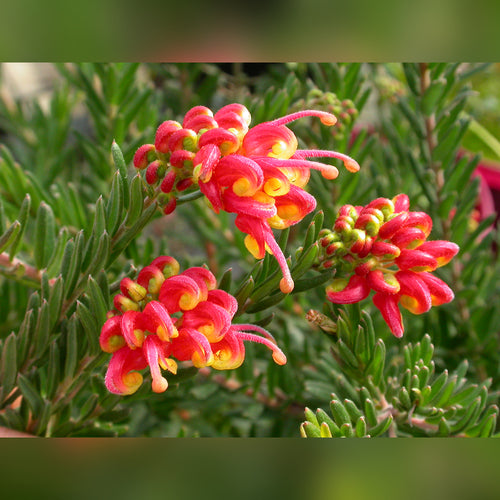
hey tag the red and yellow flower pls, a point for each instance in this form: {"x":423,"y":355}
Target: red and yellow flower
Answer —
{"x":257,"y":173}
{"x":163,"y":315}
{"x":385,"y":246}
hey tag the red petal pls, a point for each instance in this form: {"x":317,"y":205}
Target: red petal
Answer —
{"x":388,"y":306}
{"x":356,"y":290}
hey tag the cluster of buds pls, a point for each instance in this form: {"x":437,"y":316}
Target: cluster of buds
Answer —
{"x":257,"y":173}
{"x":344,"y":109}
{"x":384,"y":246}
{"x":164,"y":314}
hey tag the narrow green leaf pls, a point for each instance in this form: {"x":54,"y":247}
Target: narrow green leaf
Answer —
{"x":360,"y":429}
{"x":438,"y":385}
{"x":114,"y":207}
{"x":432,"y":96}
{"x":325,"y":431}
{"x":97,"y":302}
{"x":71,"y":349}
{"x":412,"y":77}
{"x":339,"y":413}
{"x":352,"y":409}
{"x":136,"y":201}
{"x":427,"y":349}
{"x":88,"y":407}
{"x":90,"y":326}
{"x":267,"y":286}
{"x":377,"y":363}
{"x":264,"y":304}
{"x":306,"y":261}
{"x":415,"y":121}
{"x":24,"y":212}
{"x":225,"y":281}
{"x":346,"y":353}
{"x":42,"y":329}
{"x":310,"y":283}
{"x":125,"y":239}
{"x":310,"y":416}
{"x":55,"y":300}
{"x":100,"y":256}
{"x":309,"y":430}
{"x":309,"y":238}
{"x":45,"y":235}
{"x":9,"y":236}
{"x":55,"y":261}
{"x":423,"y":376}
{"x":53,"y":370}
{"x":31,"y":393}
{"x":73,"y":263}
{"x":381,"y":428}
{"x":346,"y":430}
{"x":468,"y":418}
{"x":244,"y":291}
{"x":445,"y":394}
{"x":3,"y":219}
{"x":488,"y":426}
{"x":324,"y":418}
{"x":404,"y":398}
{"x":8,"y":369}
{"x":43,"y":419}
{"x":25,"y":335}
{"x":371,"y":414}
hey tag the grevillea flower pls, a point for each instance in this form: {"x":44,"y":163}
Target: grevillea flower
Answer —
{"x":163,"y":315}
{"x":257,"y":173}
{"x":385,"y":246}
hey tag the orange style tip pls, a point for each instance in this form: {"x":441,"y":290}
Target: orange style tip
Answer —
{"x":330,"y":173}
{"x":286,"y":285}
{"x":159,"y":385}
{"x":352,"y":165}
{"x":279,"y":358}
{"x":328,"y":120}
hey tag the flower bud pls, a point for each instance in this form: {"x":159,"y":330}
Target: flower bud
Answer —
{"x":163,"y":133}
{"x":184,"y":139}
{"x":151,"y":278}
{"x":385,"y":249}
{"x":111,"y":338}
{"x":358,"y":238}
{"x":168,"y":182}
{"x":132,"y":290}
{"x":344,"y":224}
{"x":385,"y":205}
{"x":170,"y":205}
{"x":369,"y":223}
{"x":153,"y":172}
{"x":123,"y":303}
{"x":389,"y":228}
{"x":408,"y":237}
{"x":182,"y":159}
{"x":144,"y":155}
{"x":167,"y":265}
{"x":401,"y":203}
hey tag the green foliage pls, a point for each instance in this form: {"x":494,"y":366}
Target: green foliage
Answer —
{"x":75,"y":219}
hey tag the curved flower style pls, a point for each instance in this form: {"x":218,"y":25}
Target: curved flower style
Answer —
{"x":164,"y":315}
{"x":257,"y":173}
{"x":385,"y":246}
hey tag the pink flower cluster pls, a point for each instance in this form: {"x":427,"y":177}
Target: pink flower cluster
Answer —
{"x":164,"y":314}
{"x":385,"y":246}
{"x":257,"y":173}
